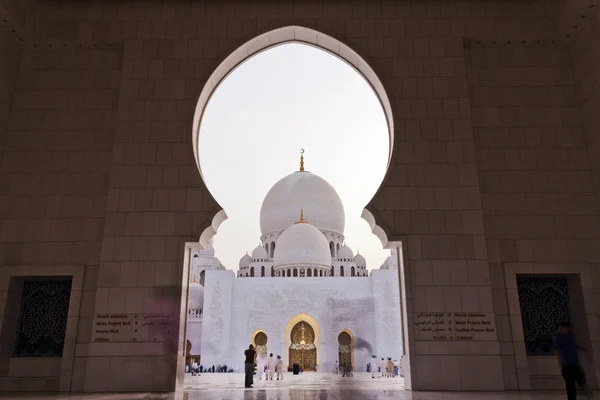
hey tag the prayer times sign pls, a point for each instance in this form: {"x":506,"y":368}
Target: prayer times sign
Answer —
{"x":455,"y":326}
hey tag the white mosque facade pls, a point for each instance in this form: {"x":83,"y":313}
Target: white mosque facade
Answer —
{"x":302,"y":294}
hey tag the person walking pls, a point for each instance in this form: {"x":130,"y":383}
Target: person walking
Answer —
{"x":390,"y":368}
{"x":567,"y":355}
{"x":249,"y":366}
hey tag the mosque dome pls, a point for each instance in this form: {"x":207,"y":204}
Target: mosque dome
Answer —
{"x":245,"y":260}
{"x":302,"y":190}
{"x":303,"y":245}
{"x":360,"y":261}
{"x":345,"y":252}
{"x":259,"y":252}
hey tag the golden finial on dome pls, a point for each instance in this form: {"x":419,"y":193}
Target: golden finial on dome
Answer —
{"x":301,"y":160}
{"x":302,"y":221}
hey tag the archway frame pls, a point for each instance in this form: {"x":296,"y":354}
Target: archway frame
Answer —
{"x":287,"y":332}
{"x":277,"y":37}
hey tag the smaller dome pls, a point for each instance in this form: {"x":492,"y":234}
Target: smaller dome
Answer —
{"x":360,"y":261}
{"x":259,"y":252}
{"x":208,"y":251}
{"x":245,"y":261}
{"x":345,"y":252}
{"x":303,"y":245}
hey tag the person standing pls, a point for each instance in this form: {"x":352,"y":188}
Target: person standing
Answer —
{"x":271,"y":365}
{"x":567,"y":355}
{"x":373,"y":366}
{"x":382,"y":367}
{"x":279,"y":367}
{"x":261,"y":366}
{"x":337,"y":368}
{"x":249,"y":366}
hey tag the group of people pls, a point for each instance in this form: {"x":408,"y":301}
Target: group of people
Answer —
{"x":269,"y":366}
{"x":383,"y":368}
{"x":195,"y":369}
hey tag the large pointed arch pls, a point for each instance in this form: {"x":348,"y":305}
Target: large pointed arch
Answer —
{"x":280,"y":36}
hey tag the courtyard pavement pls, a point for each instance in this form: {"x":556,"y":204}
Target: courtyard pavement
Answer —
{"x":308,"y":386}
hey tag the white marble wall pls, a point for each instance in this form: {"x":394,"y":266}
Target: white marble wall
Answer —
{"x":236,"y":308}
{"x":194,"y":335}
{"x":388,"y":326}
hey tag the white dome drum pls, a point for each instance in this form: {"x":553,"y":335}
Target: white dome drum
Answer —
{"x":302,"y":190}
{"x":302,"y":245}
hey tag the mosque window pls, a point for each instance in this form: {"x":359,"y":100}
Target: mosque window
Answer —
{"x":321,"y":273}
{"x":332,"y":271}
{"x":202,"y":276}
{"x":195,"y":255}
{"x":309,"y":272}
{"x":42,"y":319}
{"x":289,"y":273}
{"x":262,"y":271}
{"x":272,"y":271}
{"x":295,"y":272}
{"x":544,"y":302}
{"x":315,"y":272}
{"x":332,"y":249}
{"x":342,"y":270}
{"x":352,"y":271}
{"x":252,"y":271}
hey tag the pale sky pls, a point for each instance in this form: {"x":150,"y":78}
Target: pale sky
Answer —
{"x":288,"y":98}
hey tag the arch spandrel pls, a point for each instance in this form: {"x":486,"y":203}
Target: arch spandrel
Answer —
{"x":269,"y":38}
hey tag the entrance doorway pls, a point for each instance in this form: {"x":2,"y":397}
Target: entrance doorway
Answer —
{"x":345,"y":348}
{"x":303,"y":350}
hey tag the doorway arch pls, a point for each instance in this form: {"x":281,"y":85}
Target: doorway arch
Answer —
{"x":308,"y":320}
{"x":260,"y":342}
{"x":346,"y":347}
{"x":280,"y":36}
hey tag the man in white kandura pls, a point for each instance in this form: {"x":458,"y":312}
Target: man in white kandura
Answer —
{"x":279,"y":367}
{"x":271,"y":365}
{"x":374,"y":367}
{"x":261,"y":365}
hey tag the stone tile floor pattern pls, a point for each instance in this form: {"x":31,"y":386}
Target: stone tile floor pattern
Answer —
{"x":309,"y":386}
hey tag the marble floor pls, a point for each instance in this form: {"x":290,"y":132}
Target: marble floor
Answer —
{"x":309,"y":386}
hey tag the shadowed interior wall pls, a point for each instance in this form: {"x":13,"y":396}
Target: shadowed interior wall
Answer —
{"x":586,"y":72}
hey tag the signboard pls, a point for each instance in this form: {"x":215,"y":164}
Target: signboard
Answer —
{"x":133,"y":327}
{"x":455,"y":326}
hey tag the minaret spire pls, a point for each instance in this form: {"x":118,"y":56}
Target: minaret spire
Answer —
{"x":301,"y":160}
{"x":301,"y":221}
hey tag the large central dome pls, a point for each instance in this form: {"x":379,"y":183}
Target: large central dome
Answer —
{"x":302,"y":190}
